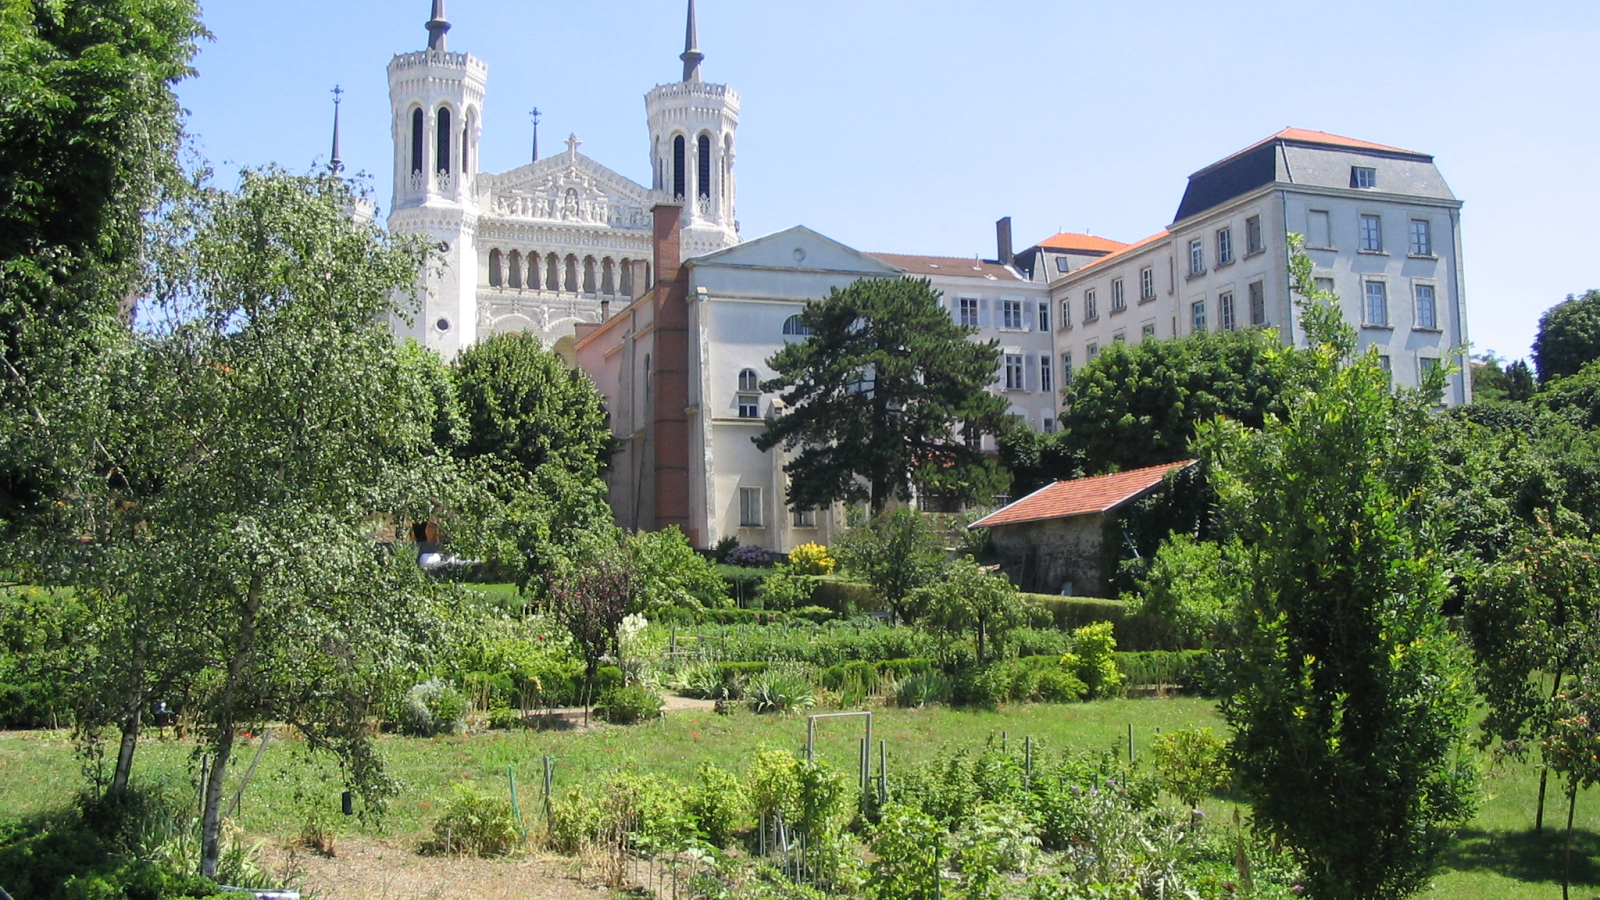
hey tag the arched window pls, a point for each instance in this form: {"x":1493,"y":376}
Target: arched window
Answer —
{"x":416,"y":142}
{"x":516,"y":269}
{"x":494,"y":268}
{"x":703,"y":170}
{"x":679,"y":166}
{"x":552,"y":273}
{"x":572,"y":274}
{"x":749,"y":394}
{"x":442,"y":160}
{"x":466,"y":146}
{"x":793,"y":325}
{"x":749,"y":380}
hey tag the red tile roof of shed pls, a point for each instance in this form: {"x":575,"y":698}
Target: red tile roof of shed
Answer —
{"x":1080,"y":497}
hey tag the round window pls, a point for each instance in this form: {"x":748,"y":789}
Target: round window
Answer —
{"x":442,"y":324}
{"x":444,"y":246}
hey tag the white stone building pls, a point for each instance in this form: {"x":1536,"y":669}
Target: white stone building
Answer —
{"x":561,"y":240}
{"x":1381,"y":227}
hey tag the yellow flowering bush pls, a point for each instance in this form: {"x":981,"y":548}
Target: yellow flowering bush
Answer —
{"x":811,"y":559}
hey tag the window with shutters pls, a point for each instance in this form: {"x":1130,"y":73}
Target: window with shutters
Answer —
{"x":1011,"y":315}
{"x":1258,"y":303}
{"x":969,"y":312}
{"x":1254,"y":241}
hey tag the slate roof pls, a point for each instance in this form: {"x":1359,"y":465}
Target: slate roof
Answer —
{"x":1082,"y":496}
{"x":949,"y":266}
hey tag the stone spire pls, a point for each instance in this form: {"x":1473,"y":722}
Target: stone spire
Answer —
{"x":692,"y":57}
{"x":438,"y":28}
{"x":335,"y":164}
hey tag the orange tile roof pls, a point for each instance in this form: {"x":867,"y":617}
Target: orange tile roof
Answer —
{"x":1068,"y":240}
{"x":948,"y":266}
{"x":1118,"y":254}
{"x":1079,"y":497}
{"x":1307,"y":136}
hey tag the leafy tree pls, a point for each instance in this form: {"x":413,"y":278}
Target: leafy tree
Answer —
{"x":1493,"y":381}
{"x":1137,"y":406}
{"x":1191,"y":763}
{"x":1189,"y":584}
{"x":1530,"y":616}
{"x":1576,"y":397}
{"x":1573,"y":748}
{"x":590,"y":600}
{"x":880,"y":389}
{"x":1349,"y":697}
{"x":668,"y":573}
{"x":896,"y":552}
{"x":89,"y":134}
{"x":1569,"y":337}
{"x":970,"y":600}
{"x":1036,"y":459}
{"x":291,"y":421}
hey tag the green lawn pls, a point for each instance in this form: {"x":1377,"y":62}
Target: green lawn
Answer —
{"x":1496,"y":857}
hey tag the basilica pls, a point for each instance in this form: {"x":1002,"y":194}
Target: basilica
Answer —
{"x":654,"y":293}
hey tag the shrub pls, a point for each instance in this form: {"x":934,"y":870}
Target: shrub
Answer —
{"x":786,"y":589}
{"x":901,"y":669}
{"x":747,"y":555}
{"x":908,"y":845}
{"x":724,"y":546}
{"x":815,"y":614}
{"x":811,"y":559}
{"x":853,"y":681}
{"x":998,"y":840}
{"x":846,"y":597}
{"x":475,"y":823}
{"x":985,"y":686}
{"x":433,"y":707}
{"x":782,"y":691}
{"x":629,"y":704}
{"x":717,"y":804}
{"x":648,"y":812}
{"x":1093,"y":659}
{"x":1190,"y":763}
{"x":922,"y":688}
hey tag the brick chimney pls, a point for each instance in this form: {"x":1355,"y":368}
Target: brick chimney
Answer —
{"x":1002,"y":230}
{"x":671,"y":370}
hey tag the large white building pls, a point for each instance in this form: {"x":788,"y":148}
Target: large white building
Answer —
{"x":652,"y":292}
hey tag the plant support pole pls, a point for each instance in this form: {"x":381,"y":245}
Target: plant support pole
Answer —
{"x":239,"y":794}
{"x":516,"y":809}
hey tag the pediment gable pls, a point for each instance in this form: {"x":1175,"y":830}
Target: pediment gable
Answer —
{"x":798,"y":248}
{"x":569,"y":188}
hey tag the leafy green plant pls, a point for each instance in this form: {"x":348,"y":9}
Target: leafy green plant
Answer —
{"x":908,"y":845}
{"x":718,"y":803}
{"x":1093,"y":659}
{"x":854,"y":681}
{"x":434,"y":707}
{"x":922,"y":688}
{"x":475,"y":823}
{"x":786,"y":588}
{"x":1191,"y":763}
{"x":780,"y":691}
{"x":629,"y":705}
{"x":995,"y":842}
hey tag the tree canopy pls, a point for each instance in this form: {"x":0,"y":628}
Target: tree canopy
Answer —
{"x":1569,"y":337}
{"x":1137,"y":406}
{"x":886,"y":383}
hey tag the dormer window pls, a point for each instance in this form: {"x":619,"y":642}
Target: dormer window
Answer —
{"x":1363,"y":177}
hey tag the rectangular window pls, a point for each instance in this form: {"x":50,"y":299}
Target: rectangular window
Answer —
{"x":805,"y":518}
{"x":1197,"y":257}
{"x":1119,"y":300}
{"x":1066,"y":369}
{"x":1014,"y":372}
{"x":1426,"y":366}
{"x":1092,"y":351}
{"x":1046,"y":375}
{"x":1427,"y":307}
{"x":1197,"y":317}
{"x":1421,"y":237}
{"x":1325,"y":285}
{"x":1091,"y":307}
{"x":1120,"y":337}
{"x":1066,"y":314}
{"x":1147,"y":283}
{"x":1372,"y":234}
{"x":1044,"y":317}
{"x":1063,"y":265}
{"x":750,"y":507}
{"x":1319,"y":229}
{"x":1148,"y":332}
{"x":1225,"y":311}
{"x":1011,"y":315}
{"x":749,"y":406}
{"x":1049,"y":425}
{"x":1387,"y":364}
{"x":1258,"y":303}
{"x":1377,"y":303}
{"x":1224,"y":246}
{"x":969,"y":312}
{"x":1363,"y":177}
{"x":1253,"y":243}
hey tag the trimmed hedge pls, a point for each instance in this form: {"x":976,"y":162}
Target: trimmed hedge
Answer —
{"x":1195,"y":671}
{"x":1133,"y":632}
{"x":843,"y":596}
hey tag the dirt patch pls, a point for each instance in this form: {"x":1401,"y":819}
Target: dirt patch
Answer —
{"x":380,"y":870}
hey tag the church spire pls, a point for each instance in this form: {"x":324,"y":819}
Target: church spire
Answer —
{"x":438,"y":27}
{"x":692,"y":57}
{"x":335,"y":164}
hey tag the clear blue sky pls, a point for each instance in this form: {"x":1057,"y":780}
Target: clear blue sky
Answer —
{"x":910,"y":127}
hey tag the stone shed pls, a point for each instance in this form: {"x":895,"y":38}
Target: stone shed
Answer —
{"x":1062,"y":538}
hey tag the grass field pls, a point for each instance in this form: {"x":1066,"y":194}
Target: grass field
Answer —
{"x":1495,"y":858}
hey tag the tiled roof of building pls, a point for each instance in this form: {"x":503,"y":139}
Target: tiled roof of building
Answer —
{"x":949,"y":266}
{"x":1307,"y":136}
{"x":1123,"y":251}
{"x":1082,"y":496}
{"x":1083,"y":243}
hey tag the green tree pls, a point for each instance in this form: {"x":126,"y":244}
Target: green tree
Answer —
{"x":896,"y":552}
{"x":668,"y":573}
{"x":1137,"y":406}
{"x":1576,"y":397}
{"x":590,"y":599}
{"x":970,"y":600}
{"x":292,"y":423}
{"x":89,"y":135}
{"x":1493,"y":381}
{"x":1569,"y":337}
{"x":882,"y":387}
{"x":1036,"y":459}
{"x":1190,"y":584}
{"x":1349,"y":697}
{"x":1529,"y":617}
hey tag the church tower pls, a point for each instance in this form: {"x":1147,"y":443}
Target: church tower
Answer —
{"x":436,"y":99}
{"x":693,"y":126}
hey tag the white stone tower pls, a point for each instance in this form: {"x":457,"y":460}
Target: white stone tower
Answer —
{"x":693,"y":125}
{"x":437,"y":101}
